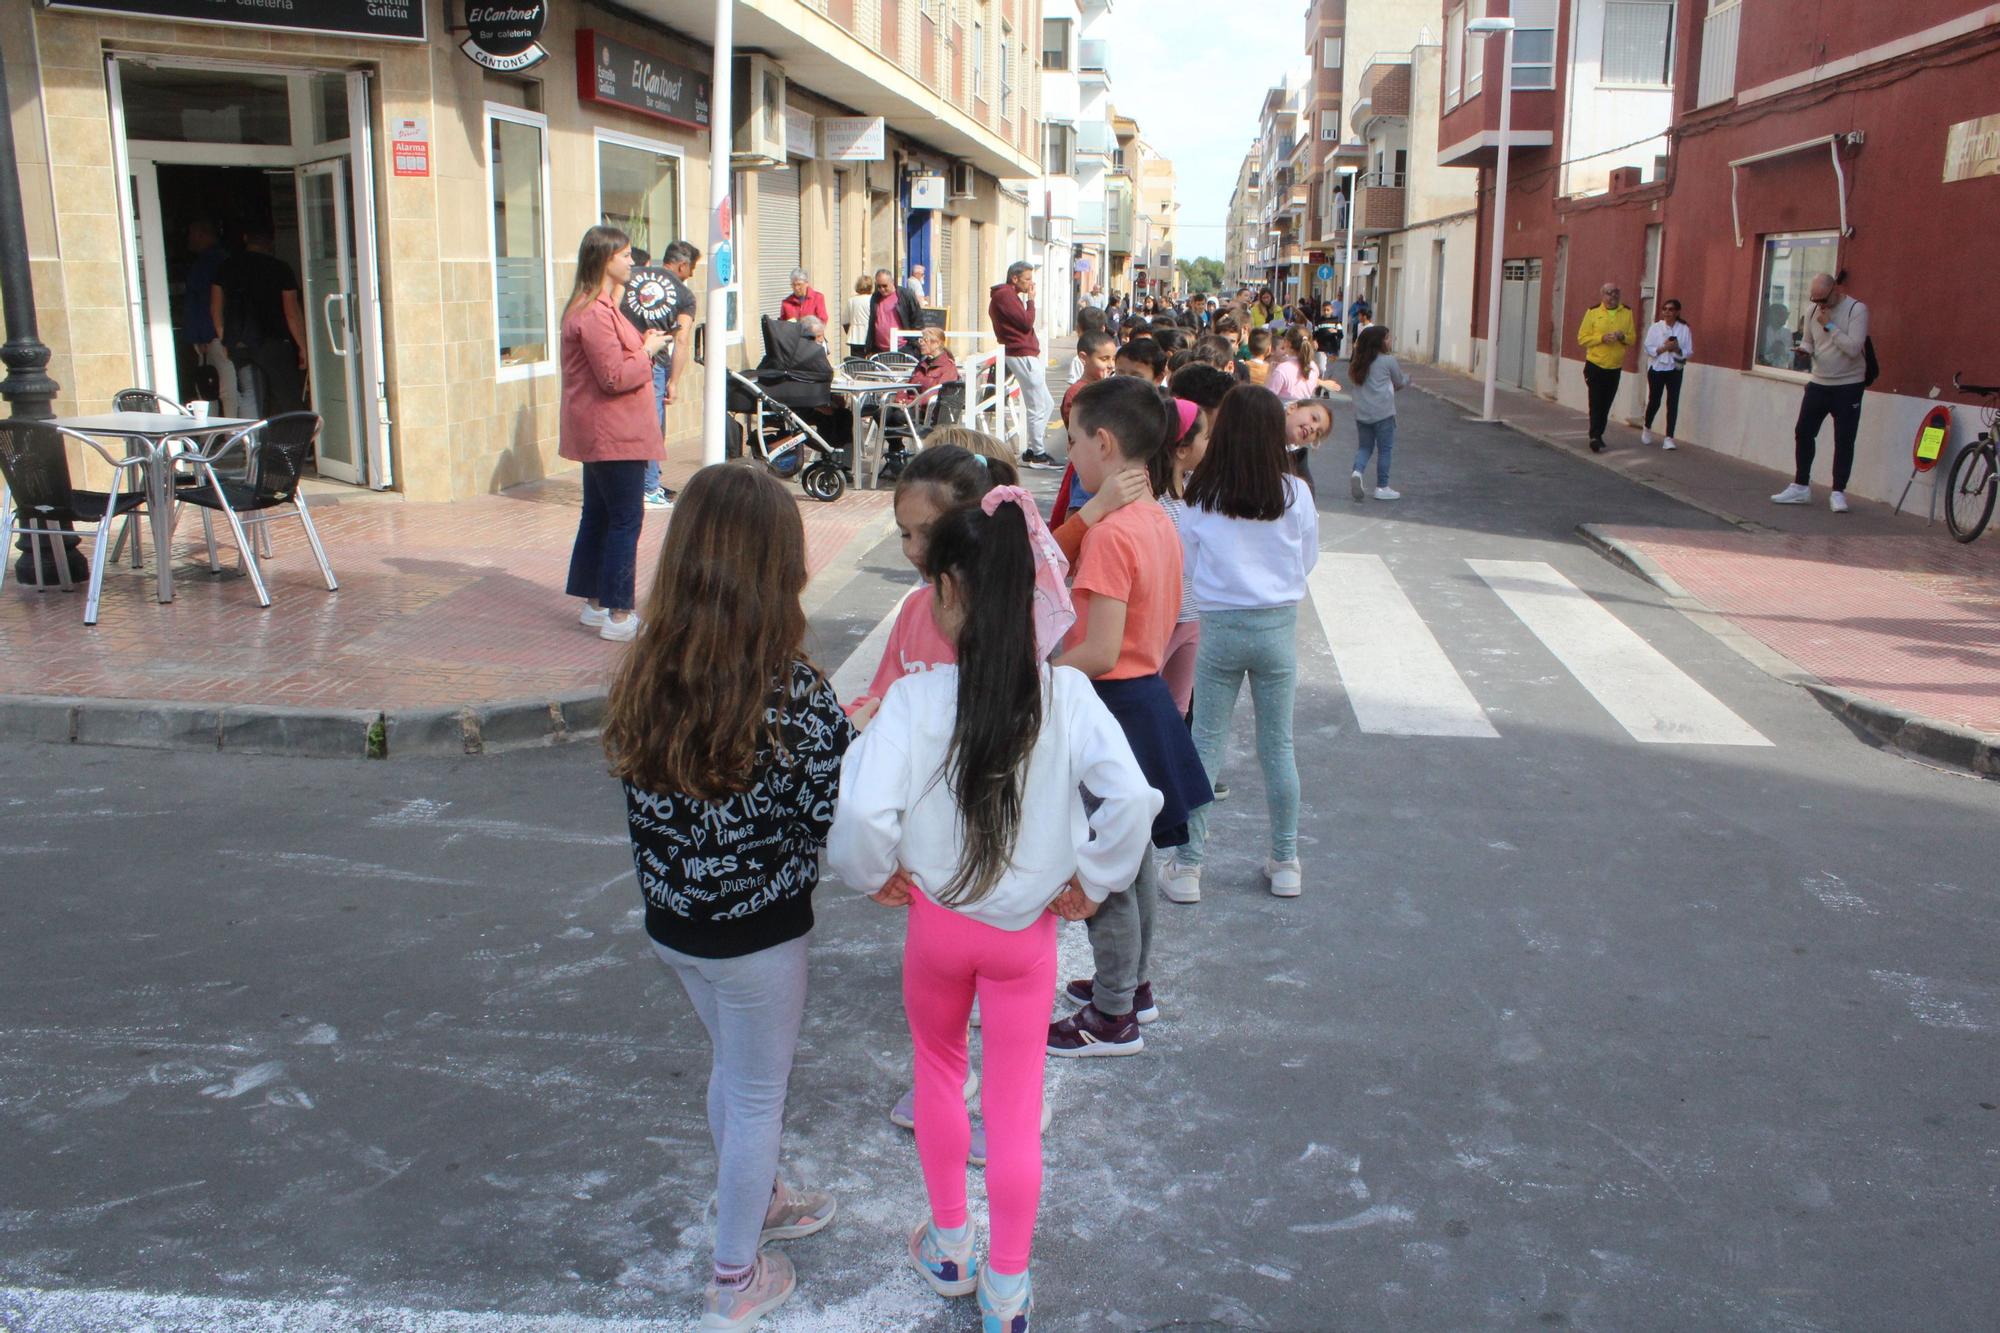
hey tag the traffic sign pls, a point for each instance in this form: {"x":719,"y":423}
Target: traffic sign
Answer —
{"x":1326,"y":272}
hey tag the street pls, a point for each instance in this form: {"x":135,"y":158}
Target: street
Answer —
{"x":1647,"y":996}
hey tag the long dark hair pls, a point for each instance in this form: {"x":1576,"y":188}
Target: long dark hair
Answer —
{"x":1366,"y":348}
{"x":992,"y":570}
{"x":1160,"y":468}
{"x":592,"y":254}
{"x":1243,"y":474}
{"x":690,"y":708}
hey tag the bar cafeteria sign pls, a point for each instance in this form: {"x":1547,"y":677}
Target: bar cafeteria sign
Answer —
{"x":613,"y":73}
{"x":389,"y":19}
{"x":503,"y":36}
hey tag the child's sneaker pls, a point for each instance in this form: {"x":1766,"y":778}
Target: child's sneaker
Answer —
{"x":1181,"y":884}
{"x":1387,"y":493}
{"x":771,"y":1284}
{"x":1144,"y":1008}
{"x":796,"y":1213}
{"x":1355,"y":485}
{"x":1285,"y":877}
{"x":950,"y":1272}
{"x":1091,"y":1032}
{"x":904,"y":1113}
{"x":1005,"y":1314}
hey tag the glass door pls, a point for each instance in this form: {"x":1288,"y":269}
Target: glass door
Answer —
{"x":326,"y":280}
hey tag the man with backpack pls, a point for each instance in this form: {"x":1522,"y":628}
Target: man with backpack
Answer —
{"x":1835,"y":337}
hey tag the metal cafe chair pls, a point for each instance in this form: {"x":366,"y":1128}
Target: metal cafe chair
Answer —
{"x":39,"y":500}
{"x":900,"y":362}
{"x":275,"y":452}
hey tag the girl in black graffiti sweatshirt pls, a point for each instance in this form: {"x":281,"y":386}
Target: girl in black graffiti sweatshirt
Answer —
{"x":730,"y":743}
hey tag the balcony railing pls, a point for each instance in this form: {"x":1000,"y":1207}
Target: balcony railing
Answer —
{"x":1094,"y":136}
{"x":1093,"y":54}
{"x":1718,"y":51}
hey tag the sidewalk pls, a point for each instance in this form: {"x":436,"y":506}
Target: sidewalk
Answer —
{"x":1882,"y":616}
{"x":450,"y":632}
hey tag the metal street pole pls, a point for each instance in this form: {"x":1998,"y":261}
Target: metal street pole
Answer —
{"x":724,"y":262}
{"x":1347,"y":266}
{"x":1493,"y":261}
{"x":27,"y":388}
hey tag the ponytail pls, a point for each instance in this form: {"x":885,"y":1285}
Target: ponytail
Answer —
{"x":991,"y":565}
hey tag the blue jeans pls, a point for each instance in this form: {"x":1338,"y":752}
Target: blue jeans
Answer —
{"x":660,"y":374}
{"x":1378,"y":438}
{"x":604,"y":561}
{"x":1259,"y":644}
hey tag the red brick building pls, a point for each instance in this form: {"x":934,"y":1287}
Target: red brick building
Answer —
{"x":1722,"y":152}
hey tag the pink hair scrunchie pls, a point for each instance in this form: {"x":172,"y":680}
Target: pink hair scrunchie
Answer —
{"x":1055,"y":615}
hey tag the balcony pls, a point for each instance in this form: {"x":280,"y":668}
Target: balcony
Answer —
{"x":1385,"y":90}
{"x":1378,"y":202}
{"x":1093,"y":60}
{"x":1291,"y":254}
{"x":1094,"y":138}
{"x":1719,"y":32}
{"x":1469,"y":133}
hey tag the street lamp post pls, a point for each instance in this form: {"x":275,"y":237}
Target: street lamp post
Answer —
{"x":28,"y":389}
{"x":1347,"y":264}
{"x":725,"y":257}
{"x":1504,"y":26}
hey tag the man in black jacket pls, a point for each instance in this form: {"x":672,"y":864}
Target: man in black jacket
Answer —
{"x":892,"y":308}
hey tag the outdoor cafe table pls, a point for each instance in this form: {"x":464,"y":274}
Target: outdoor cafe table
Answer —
{"x":867,"y":431}
{"x":150,"y":431}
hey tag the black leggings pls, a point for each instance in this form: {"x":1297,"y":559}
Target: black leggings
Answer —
{"x":1603,"y":383}
{"x":1669,"y":380}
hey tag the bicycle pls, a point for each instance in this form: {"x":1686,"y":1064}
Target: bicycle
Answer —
{"x":1974,"y":482}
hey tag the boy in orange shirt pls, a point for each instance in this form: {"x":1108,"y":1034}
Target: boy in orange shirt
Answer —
{"x":1099,"y":354}
{"x":1127,"y":592}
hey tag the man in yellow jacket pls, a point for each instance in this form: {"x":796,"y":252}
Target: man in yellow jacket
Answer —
{"x":1606,"y":336}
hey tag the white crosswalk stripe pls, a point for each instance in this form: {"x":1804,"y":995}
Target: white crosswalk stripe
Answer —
{"x":1399,"y":682}
{"x":1654,"y":700}
{"x":851,"y":678}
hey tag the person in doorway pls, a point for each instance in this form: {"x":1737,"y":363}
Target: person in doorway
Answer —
{"x":859,"y":305}
{"x":198,"y":317}
{"x":255,"y":303}
{"x":803,"y":299}
{"x":919,"y":284}
{"x":1668,"y":345}
{"x":609,"y":425}
{"x":888,"y":310}
{"x":1606,"y":335}
{"x":670,"y":365}
{"x":1011,"y":310}
{"x":1836,"y":340}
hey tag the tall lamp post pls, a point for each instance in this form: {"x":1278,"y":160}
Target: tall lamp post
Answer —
{"x":1347,"y":265}
{"x":725,"y":257}
{"x":27,"y":388}
{"x":1504,"y":26}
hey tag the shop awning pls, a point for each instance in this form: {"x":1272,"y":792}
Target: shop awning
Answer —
{"x":1831,"y":142}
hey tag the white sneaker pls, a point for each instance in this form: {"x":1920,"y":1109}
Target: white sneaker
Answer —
{"x":593,"y":617}
{"x":1645,"y":437}
{"x":1668,"y":444}
{"x":620,"y":631}
{"x":1384,"y":493}
{"x":1838,"y":502}
{"x":1181,"y":884}
{"x":1354,"y":486}
{"x":1793,"y":494}
{"x":1285,"y":877}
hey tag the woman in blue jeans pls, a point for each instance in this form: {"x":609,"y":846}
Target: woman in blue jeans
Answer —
{"x":1376,"y":378}
{"x":1250,"y":535}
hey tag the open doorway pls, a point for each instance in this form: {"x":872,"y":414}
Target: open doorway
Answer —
{"x":206,"y":213}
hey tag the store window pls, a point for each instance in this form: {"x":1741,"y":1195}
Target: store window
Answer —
{"x":639,"y":191}
{"x":517,"y":170}
{"x":1784,"y":297}
{"x":1638,"y":42}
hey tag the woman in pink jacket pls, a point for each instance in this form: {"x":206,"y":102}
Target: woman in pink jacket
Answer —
{"x":609,"y":425}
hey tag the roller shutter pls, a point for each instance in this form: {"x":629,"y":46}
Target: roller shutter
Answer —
{"x":777,"y":244}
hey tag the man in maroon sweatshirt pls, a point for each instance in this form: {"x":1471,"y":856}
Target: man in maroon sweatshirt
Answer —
{"x":1012,"y":311}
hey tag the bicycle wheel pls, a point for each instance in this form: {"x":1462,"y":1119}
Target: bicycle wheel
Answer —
{"x":1970,"y":492}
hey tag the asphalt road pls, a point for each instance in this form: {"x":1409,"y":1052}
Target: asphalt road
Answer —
{"x":1569,"y":1029}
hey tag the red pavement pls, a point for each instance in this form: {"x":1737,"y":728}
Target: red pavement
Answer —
{"x":439,"y":605}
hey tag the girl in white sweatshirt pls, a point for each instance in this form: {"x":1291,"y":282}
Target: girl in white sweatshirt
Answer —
{"x":961,"y":801}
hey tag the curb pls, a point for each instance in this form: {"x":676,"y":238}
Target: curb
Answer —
{"x":1946,"y":744}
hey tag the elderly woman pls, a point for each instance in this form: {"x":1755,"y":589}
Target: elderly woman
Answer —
{"x":804,"y":300}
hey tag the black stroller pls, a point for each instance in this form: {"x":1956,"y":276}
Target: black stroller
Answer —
{"x":774,"y":401}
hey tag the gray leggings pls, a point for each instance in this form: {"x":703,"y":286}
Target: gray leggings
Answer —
{"x":751,"y":1007}
{"x":1261,"y":645}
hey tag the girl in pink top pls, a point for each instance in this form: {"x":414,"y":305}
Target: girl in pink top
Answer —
{"x":1294,"y":370}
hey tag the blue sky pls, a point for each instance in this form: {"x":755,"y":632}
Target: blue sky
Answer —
{"x":1193,"y":73}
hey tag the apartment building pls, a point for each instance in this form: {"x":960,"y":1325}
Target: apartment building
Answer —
{"x":1281,"y":194}
{"x":1155,"y":211}
{"x":1243,"y":231}
{"x":432,"y":202}
{"x":1723,"y":152}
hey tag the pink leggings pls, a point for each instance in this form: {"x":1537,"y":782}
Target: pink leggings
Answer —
{"x":1178,"y":664}
{"x":947,"y":957}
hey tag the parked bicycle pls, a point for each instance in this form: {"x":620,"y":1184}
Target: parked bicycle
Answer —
{"x":1975,"y":474}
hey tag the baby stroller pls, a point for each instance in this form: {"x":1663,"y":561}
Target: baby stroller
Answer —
{"x":794,"y":377}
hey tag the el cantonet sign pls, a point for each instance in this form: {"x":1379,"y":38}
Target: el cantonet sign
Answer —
{"x":505,"y":36}
{"x":614,"y":73}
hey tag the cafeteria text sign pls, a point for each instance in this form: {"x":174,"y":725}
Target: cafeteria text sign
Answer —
{"x":614,"y":73}
{"x":399,"y":20}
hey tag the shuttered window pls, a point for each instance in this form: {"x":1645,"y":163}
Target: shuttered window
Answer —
{"x":777,"y":227}
{"x":1638,"y":42}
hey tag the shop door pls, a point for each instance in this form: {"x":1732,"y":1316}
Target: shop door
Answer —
{"x":326,"y":290}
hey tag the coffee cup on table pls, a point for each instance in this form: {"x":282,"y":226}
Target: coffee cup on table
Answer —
{"x":199,"y":407}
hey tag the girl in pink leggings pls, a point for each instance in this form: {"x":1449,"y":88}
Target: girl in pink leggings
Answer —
{"x":961,"y":800}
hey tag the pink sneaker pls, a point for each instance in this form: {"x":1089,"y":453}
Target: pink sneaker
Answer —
{"x":795,"y":1213}
{"x":771,"y":1284}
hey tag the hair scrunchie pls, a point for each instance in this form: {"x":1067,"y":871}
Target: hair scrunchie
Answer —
{"x":1055,"y":615}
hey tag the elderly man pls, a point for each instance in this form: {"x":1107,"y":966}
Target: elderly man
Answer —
{"x":804,"y":300}
{"x":888,"y":310}
{"x":1836,"y":338}
{"x":1012,"y":312}
{"x":918,"y":285}
{"x":1606,"y":336}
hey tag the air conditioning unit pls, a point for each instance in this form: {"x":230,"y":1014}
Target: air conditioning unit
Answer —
{"x":759,"y":113}
{"x":963,"y":179}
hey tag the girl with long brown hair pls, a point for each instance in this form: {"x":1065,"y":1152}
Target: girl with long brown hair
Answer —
{"x":729,"y":744}
{"x":610,"y":425}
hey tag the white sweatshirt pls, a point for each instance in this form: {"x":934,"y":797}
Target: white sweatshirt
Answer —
{"x":896,"y":810}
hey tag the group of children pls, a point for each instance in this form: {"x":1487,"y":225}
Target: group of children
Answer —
{"x":1050,"y":710}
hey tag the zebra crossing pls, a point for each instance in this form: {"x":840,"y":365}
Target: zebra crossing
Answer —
{"x":1400,"y":680}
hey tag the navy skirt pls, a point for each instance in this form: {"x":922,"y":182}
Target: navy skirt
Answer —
{"x":1160,"y":742}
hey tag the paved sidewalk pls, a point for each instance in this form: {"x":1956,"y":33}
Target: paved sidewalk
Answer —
{"x":1885,"y":616}
{"x":450,"y":626}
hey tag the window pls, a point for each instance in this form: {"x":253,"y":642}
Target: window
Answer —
{"x":517,"y":170}
{"x":1055,"y":43}
{"x":1329,"y":126}
{"x":1006,"y":72}
{"x":1454,"y":57}
{"x":1329,"y":52}
{"x":1059,"y":149}
{"x":1475,"y":50}
{"x":1535,"y":43}
{"x":979,"y":59}
{"x":639,"y":190}
{"x":1638,"y":42}
{"x":1783,"y":294}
